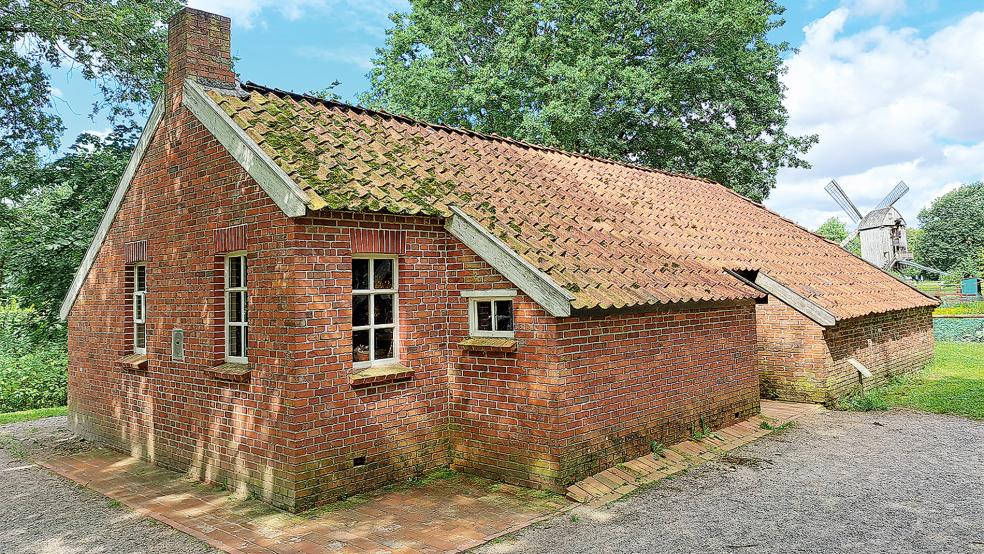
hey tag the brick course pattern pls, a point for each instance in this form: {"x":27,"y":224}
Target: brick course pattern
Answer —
{"x":803,"y":362}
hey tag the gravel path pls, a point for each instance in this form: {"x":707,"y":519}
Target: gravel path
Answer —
{"x":43,"y":513}
{"x":836,"y":482}
{"x":894,"y":481}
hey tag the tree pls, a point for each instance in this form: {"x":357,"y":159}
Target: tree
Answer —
{"x":44,"y":235}
{"x":953,"y":228}
{"x":835,"y":230}
{"x":684,"y":85}
{"x":119,"y":44}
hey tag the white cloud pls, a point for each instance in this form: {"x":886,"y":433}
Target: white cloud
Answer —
{"x":888,"y":104}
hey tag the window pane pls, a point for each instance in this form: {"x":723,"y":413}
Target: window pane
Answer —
{"x":235,"y":307}
{"x":140,"y":335}
{"x":382,"y":274}
{"x":242,"y":275}
{"x":138,"y":308}
{"x":483,"y":312}
{"x":236,"y":277}
{"x":503,"y":315}
{"x":140,"y":280}
{"x":384,"y":344}
{"x":360,"y":274}
{"x":235,"y":342}
{"x":360,"y":346}
{"x":383,"y":309}
{"x":360,"y":310}
{"x":244,"y":306}
{"x":245,"y":340}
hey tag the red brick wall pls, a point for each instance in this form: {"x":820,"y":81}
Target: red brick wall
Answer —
{"x":801,"y":361}
{"x":503,"y":403}
{"x":400,"y":428}
{"x":174,"y":413}
{"x":888,"y":344}
{"x":631,"y":379}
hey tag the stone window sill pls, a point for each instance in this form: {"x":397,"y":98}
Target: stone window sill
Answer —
{"x":134,"y":362}
{"x":380,"y":374}
{"x":489,"y":343}
{"x":229,"y":371}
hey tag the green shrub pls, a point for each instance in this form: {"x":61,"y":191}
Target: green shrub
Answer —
{"x":37,"y":379}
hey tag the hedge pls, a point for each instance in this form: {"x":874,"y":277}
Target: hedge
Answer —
{"x":37,"y":379}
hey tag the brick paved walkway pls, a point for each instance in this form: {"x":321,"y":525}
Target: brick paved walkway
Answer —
{"x":447,"y":514}
{"x":616,"y":482}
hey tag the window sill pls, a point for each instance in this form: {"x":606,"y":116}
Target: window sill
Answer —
{"x":134,"y":362}
{"x":229,"y":371}
{"x":498,"y":344}
{"x":380,"y":374}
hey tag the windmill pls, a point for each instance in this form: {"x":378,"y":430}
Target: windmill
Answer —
{"x":882,"y":230}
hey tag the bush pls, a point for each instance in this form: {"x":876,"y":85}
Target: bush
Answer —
{"x":37,"y":379}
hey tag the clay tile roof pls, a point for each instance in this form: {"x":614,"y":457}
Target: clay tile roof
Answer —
{"x":613,"y":234}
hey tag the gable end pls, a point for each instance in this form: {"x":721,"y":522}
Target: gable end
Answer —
{"x":114,"y":207}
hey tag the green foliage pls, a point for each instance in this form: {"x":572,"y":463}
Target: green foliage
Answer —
{"x":31,"y":415}
{"x":863,"y":401}
{"x":684,"y":85}
{"x":327,"y":93}
{"x":952,"y":384}
{"x":835,"y":230}
{"x":46,"y":229}
{"x":120,"y":45}
{"x":38,"y":379}
{"x":953,"y":237}
{"x":657,"y":448}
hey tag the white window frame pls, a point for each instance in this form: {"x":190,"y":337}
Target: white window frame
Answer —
{"x":476,"y":296}
{"x":227,"y":295}
{"x":372,"y":293}
{"x":138,"y":304}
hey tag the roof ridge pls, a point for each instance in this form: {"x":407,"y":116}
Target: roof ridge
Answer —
{"x":483,"y":135}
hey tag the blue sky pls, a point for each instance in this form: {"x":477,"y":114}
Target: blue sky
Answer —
{"x":890,"y":85}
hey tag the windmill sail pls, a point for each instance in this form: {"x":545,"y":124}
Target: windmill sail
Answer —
{"x":893,"y":197}
{"x":835,"y":190}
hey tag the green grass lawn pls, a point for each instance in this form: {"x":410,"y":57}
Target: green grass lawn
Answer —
{"x":952,"y":384}
{"x":30,"y":415}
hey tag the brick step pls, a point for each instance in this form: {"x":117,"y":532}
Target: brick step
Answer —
{"x":615,"y":482}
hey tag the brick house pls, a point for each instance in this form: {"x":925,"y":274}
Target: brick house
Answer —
{"x":309,"y":299}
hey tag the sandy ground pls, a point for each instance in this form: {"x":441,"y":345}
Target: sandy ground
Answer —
{"x":894,"y":481}
{"x":42,"y":513}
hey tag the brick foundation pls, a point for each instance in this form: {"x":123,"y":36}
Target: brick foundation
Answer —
{"x":801,"y":361}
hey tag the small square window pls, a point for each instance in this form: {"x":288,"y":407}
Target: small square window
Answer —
{"x":490,"y":313}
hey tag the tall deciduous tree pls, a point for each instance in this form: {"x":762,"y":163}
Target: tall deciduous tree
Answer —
{"x":118,"y":44}
{"x":953,"y":228}
{"x":45,"y":233}
{"x":684,"y":85}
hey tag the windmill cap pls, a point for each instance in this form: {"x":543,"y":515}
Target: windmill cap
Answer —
{"x":882,"y":217}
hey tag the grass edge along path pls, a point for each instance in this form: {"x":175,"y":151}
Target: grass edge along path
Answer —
{"x":31,"y":415}
{"x":952,"y":384}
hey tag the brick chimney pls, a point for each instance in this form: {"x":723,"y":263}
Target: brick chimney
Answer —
{"x":198,"y":45}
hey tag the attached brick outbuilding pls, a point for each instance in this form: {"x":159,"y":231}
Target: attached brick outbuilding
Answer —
{"x":308,"y":299}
